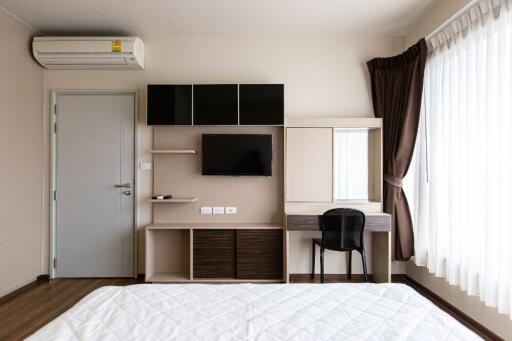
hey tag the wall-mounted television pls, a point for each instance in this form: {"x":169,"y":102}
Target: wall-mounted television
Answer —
{"x":237,"y":154}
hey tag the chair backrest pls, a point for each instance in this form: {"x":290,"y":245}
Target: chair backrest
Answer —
{"x":343,"y":228}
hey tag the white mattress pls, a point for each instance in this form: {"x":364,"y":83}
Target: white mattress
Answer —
{"x":255,"y":312}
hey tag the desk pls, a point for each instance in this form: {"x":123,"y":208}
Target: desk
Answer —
{"x":377,"y":223}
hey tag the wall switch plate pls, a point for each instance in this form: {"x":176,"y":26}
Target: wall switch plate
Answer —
{"x":230,"y":210}
{"x":145,"y":166}
{"x":218,"y":210}
{"x":206,"y":210}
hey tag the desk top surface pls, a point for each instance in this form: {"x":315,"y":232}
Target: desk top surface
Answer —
{"x":215,"y":226}
{"x":316,"y":212}
{"x":374,"y":222}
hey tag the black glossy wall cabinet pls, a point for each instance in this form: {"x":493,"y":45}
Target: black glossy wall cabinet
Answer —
{"x":215,"y":104}
{"x":169,"y":105}
{"x":261,"y":104}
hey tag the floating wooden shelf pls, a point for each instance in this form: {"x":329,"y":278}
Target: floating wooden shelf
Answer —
{"x":173,"y":151}
{"x":174,"y":200}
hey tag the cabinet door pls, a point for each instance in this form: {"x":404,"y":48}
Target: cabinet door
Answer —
{"x":214,"y":254}
{"x":309,"y":165}
{"x":169,"y":104}
{"x":216,"y":104}
{"x":261,"y":104}
{"x":259,"y":254}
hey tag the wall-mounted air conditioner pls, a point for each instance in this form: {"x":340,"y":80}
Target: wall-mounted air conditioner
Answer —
{"x":89,"y":52}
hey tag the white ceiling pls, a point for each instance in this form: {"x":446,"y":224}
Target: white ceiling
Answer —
{"x":218,"y":17}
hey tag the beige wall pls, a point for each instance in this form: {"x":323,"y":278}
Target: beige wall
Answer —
{"x":500,"y":324}
{"x":21,"y":156}
{"x":324,"y":76}
{"x":259,"y":199}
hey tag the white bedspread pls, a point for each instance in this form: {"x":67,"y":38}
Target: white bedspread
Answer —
{"x":255,"y":312}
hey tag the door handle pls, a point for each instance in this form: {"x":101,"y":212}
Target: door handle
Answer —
{"x":126,"y":185}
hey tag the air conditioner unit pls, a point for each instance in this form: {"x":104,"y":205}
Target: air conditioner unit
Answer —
{"x":84,"y":53}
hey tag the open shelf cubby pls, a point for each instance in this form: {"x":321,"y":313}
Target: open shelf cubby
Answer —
{"x":168,"y":255}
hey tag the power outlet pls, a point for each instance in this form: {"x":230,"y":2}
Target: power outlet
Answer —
{"x":218,"y":210}
{"x":145,"y":166}
{"x":230,"y":210}
{"x":206,"y":210}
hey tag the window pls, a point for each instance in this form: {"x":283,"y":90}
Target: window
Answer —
{"x":460,"y":181}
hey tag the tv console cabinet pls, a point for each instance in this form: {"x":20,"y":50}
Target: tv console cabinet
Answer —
{"x":215,"y":252}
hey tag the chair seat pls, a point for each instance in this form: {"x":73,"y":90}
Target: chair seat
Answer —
{"x":331,"y":247}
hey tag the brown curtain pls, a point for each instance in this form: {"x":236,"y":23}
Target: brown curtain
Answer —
{"x":397,"y":85}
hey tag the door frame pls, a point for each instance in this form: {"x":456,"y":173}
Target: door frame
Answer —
{"x":53,"y":167}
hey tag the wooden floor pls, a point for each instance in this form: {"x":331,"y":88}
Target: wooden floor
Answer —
{"x":25,"y":313}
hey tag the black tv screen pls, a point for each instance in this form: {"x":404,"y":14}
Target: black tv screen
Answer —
{"x":237,"y":154}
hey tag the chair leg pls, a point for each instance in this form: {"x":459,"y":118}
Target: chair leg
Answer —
{"x":365,"y":271}
{"x":313,"y":260}
{"x":349,"y":266}
{"x":322,"y":250}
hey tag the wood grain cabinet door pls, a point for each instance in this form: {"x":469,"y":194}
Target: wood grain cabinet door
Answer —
{"x":259,"y":254}
{"x":214,"y":254}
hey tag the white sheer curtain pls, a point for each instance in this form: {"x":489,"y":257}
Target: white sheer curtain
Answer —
{"x":460,"y":182}
{"x":351,"y":164}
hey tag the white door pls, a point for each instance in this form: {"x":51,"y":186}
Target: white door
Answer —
{"x":94,"y":182}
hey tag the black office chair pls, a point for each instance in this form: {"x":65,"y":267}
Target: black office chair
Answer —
{"x":342,"y":230}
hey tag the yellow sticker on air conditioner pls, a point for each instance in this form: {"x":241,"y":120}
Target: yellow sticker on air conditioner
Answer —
{"x":117,"y":46}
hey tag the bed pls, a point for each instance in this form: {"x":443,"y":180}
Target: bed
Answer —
{"x":341,"y":311}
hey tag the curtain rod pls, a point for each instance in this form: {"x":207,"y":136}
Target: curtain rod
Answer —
{"x":454,"y":17}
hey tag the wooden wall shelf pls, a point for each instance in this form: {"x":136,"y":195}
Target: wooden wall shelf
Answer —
{"x":173,"y":151}
{"x":174,"y":200}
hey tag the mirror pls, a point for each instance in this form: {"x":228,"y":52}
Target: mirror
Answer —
{"x":351,"y":164}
